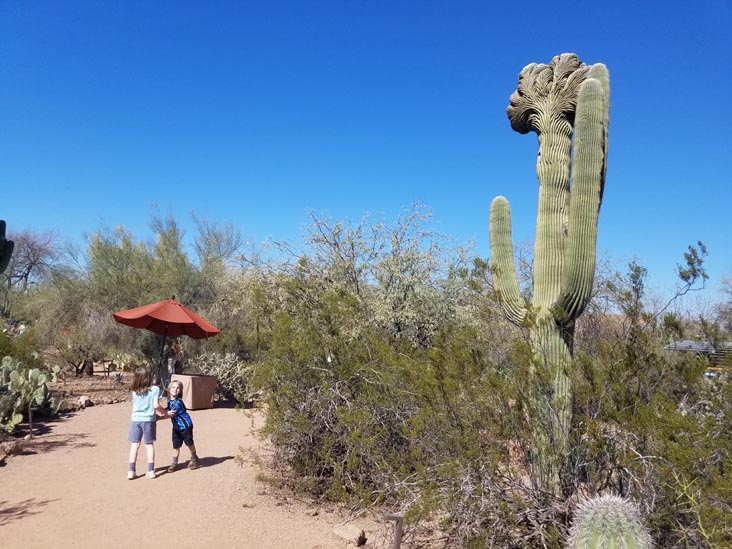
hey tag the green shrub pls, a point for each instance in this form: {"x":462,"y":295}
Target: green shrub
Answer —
{"x":233,"y":375}
{"x":23,"y":348}
{"x":337,"y":410}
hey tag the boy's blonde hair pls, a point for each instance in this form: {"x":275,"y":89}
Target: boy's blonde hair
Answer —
{"x":141,"y":381}
{"x":177,"y":382}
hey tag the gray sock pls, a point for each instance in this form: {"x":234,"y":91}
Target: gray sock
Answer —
{"x":132,"y":467}
{"x":175,"y":461}
{"x":150,"y":467}
{"x":194,"y":456}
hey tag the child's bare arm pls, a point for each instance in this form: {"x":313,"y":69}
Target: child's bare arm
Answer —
{"x":160,"y":411}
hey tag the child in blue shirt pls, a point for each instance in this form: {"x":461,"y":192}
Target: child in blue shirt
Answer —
{"x":145,"y":405}
{"x":182,"y":425}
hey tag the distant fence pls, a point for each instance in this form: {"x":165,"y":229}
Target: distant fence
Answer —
{"x":718,"y":355}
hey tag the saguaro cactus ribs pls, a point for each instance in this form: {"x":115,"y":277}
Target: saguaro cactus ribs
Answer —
{"x":566,"y":103}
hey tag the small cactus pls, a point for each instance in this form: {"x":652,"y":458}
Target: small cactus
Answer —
{"x":607,"y":522}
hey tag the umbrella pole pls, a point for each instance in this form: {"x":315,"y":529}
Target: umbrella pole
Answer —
{"x":160,"y":362}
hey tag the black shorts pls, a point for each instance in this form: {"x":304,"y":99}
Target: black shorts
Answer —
{"x":179,"y":437}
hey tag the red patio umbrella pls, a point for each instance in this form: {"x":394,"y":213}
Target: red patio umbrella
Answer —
{"x":168,"y":318}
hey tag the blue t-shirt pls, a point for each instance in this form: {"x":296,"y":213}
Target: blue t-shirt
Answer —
{"x":181,"y":420}
{"x":143,"y":406}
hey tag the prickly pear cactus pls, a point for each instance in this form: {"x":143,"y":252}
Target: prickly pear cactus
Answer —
{"x":6,"y":248}
{"x":566,"y":103}
{"x":608,"y":522}
{"x":23,"y":389}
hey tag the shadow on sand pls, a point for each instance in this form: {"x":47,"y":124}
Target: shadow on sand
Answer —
{"x":202,"y":462}
{"x":45,"y":441}
{"x":42,"y":425}
{"x":54,"y":442}
{"x":17,"y":511}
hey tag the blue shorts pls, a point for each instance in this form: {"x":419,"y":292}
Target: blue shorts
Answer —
{"x":142,"y":430}
{"x":179,"y":437}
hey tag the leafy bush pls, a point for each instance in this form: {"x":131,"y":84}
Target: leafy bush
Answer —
{"x":233,"y":375}
{"x":337,"y":410}
{"x":373,"y":419}
{"x":442,"y":431}
{"x":21,"y":347}
{"x":648,"y":424}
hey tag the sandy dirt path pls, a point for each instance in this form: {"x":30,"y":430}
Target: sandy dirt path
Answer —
{"x":72,"y":491}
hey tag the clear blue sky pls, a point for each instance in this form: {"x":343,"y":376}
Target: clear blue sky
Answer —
{"x":256,"y":112}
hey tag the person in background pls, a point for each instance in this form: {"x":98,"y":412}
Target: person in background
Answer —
{"x":168,"y":367}
{"x":178,"y":352}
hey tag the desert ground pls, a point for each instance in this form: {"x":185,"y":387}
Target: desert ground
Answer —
{"x":68,"y":487}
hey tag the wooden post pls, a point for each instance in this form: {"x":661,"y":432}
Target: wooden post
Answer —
{"x":398,"y":518}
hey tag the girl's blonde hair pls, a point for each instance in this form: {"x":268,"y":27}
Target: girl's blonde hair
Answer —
{"x":141,"y":381}
{"x":177,"y":382}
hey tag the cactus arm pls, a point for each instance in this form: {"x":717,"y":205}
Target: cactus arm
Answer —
{"x":502,"y":257}
{"x":587,"y":182}
{"x":6,"y":248}
{"x":599,"y":72}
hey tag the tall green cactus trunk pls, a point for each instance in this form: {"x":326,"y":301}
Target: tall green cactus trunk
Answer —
{"x":566,"y":103}
{"x":551,"y":407}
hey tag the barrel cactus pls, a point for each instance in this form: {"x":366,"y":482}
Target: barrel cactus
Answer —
{"x":608,"y":521}
{"x":6,"y":248}
{"x":566,"y":103}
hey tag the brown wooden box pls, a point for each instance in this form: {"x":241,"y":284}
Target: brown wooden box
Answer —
{"x":198,"y":390}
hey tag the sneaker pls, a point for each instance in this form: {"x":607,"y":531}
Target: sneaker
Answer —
{"x":130,"y":475}
{"x":193,"y":464}
{"x":151,"y":474}
{"x":172,"y":467}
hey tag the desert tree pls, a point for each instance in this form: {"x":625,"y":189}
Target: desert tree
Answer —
{"x":34,"y":256}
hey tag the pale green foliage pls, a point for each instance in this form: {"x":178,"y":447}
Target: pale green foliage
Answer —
{"x":233,"y":375}
{"x":724,"y":309}
{"x":403,"y":275}
{"x":216,"y":245}
{"x":119,"y":271}
{"x":355,"y":322}
{"x":72,"y":311}
{"x":172,"y":270}
{"x":244,"y":311}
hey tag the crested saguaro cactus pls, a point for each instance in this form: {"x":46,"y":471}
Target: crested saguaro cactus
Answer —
{"x":608,"y":521}
{"x":566,"y":103}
